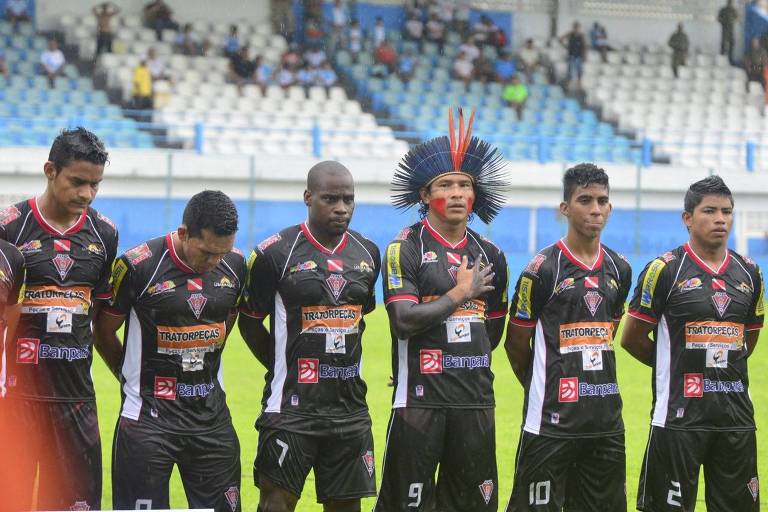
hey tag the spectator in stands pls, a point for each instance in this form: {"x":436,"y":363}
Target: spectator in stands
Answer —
{"x":4,"y":66}
{"x":576,"y":45}
{"x":281,"y":15}
{"x":463,"y":69}
{"x":52,"y":61}
{"x":406,"y":66}
{"x":679,"y":43}
{"x":484,"y":31}
{"x":286,"y":77}
{"x":313,"y":34}
{"x":755,"y":61}
{"x":379,"y":32}
{"x":727,"y":17}
{"x":232,"y":44}
{"x":17,"y":11}
{"x":187,"y":42}
{"x":505,"y":67}
{"x":355,"y":39}
{"x":157,"y":66}
{"x":241,"y":68}
{"x":339,"y":21}
{"x":485,"y":68}
{"x":598,"y":38}
{"x":291,"y":57}
{"x":142,"y":87}
{"x":315,"y":56}
{"x":436,"y":32}
{"x":470,"y":49}
{"x":515,"y":93}
{"x":414,"y":30}
{"x":386,"y":55}
{"x":158,"y":16}
{"x":263,"y":72}
{"x":326,"y":76}
{"x":529,"y":59}
{"x":313,"y":10}
{"x":306,"y":76}
{"x":461,"y":18}
{"x":104,"y":14}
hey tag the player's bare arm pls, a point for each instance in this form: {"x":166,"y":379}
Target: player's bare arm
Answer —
{"x":636,"y":340}
{"x":495,"y":328}
{"x":518,"y":348}
{"x":750,"y":338}
{"x":257,"y":338}
{"x":106,"y":340}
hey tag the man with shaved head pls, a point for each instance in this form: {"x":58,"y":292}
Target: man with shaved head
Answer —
{"x":314,"y":281}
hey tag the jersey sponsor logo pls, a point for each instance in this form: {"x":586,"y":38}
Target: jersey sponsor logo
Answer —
{"x":524,"y":309}
{"x":44,"y":299}
{"x":586,"y":336}
{"x":62,"y":245}
{"x":472,"y":310}
{"x":565,"y":284}
{"x":195,"y":285}
{"x":194,"y":390}
{"x":330,"y":319}
{"x":403,"y":234}
{"x":486,"y":489}
{"x":59,"y":321}
{"x":667,"y":257}
{"x":458,"y":332}
{"x":717,"y":358}
{"x":4,"y":278}
{"x":31,"y":247}
{"x":753,"y":487}
{"x":592,"y":360}
{"x":119,"y":269}
{"x":453,"y":258}
{"x":335,"y":266}
{"x":568,"y":390}
{"x":744,"y":287}
{"x":591,"y":282}
{"x":760,"y":307}
{"x":30,"y":351}
{"x":187,"y":339}
{"x":196,"y":303}
{"x":336,"y":284}
{"x":691,"y":284}
{"x":138,"y":254}
{"x":96,"y":249}
{"x":162,"y":287}
{"x":534,"y":265}
{"x":27,"y":350}
{"x":721,"y":300}
{"x":693,"y":385}
{"x":649,"y":282}
{"x":63,"y":264}
{"x":269,"y":241}
{"x":302,"y":267}
{"x":238,"y":252}
{"x":368,"y":462}
{"x":431,"y":361}
{"x":749,"y":261}
{"x":593,"y":300}
{"x":571,"y":389}
{"x":364,"y":267}
{"x":339,"y":372}
{"x":308,"y":370}
{"x":224,"y":282}
{"x":613,"y":284}
{"x":165,"y":388}
{"x":107,"y":220}
{"x":394,"y":271}
{"x":714,"y":335}
{"x":8,"y":215}
{"x":335,"y":344}
{"x":429,"y":257}
{"x":419,"y":390}
{"x":232,"y":495}
{"x":718,"y":284}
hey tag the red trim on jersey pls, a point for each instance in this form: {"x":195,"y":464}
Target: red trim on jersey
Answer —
{"x":111,"y":311}
{"x":642,"y":316}
{"x":704,"y":266}
{"x":441,"y":239}
{"x":74,"y":228}
{"x":252,"y":314}
{"x":493,"y":315}
{"x":522,"y":323}
{"x":403,"y":296}
{"x":103,"y":296}
{"x":753,"y":327}
{"x":307,"y":233}
{"x":175,"y":257}
{"x":576,"y":261}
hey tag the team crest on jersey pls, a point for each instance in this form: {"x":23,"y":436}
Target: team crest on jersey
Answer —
{"x":429,"y":257}
{"x":486,"y":489}
{"x":721,"y":301}
{"x":753,"y":487}
{"x":693,"y":283}
{"x":454,"y":272}
{"x":232,"y":495}
{"x":138,"y":254}
{"x":534,"y":265}
{"x":163,"y":287}
{"x":336,"y":283}
{"x":593,"y":300}
{"x":63,"y":264}
{"x":31,"y":247}
{"x":368,"y":461}
{"x":8,"y":215}
{"x":565,"y":284}
{"x":196,"y":303}
{"x":269,"y":241}
{"x":95,"y":249}
{"x":80,"y":505}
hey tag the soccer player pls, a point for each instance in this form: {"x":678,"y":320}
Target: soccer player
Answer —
{"x":315,"y":281}
{"x":703,"y":303}
{"x":567,"y":306}
{"x":445,"y":288}
{"x":68,"y":249}
{"x":180,"y":294}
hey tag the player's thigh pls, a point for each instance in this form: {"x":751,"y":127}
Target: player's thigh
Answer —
{"x":209,"y":466}
{"x":597,"y":480}
{"x":541,"y":473}
{"x":284,"y":458}
{"x":669,"y":477}
{"x":142,"y":461}
{"x":415,"y":440}
{"x":730,"y":473}
{"x":467,"y":479}
{"x":344,"y":468}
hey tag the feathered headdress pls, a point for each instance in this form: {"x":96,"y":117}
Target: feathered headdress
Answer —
{"x":457,"y":153}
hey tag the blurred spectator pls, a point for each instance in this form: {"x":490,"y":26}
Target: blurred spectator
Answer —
{"x":414,"y":30}
{"x":515,"y":93}
{"x":444,"y":11}
{"x":241,"y":67}
{"x":463,"y":69}
{"x":291,"y":57}
{"x":470,"y":49}
{"x":281,"y":15}
{"x":263,"y":72}
{"x":436,"y":31}
{"x":355,"y":39}
{"x":598,"y":38}
{"x":52,"y":61}
{"x":315,"y":57}
{"x":406,"y":66}
{"x":679,"y":43}
{"x":505,"y":67}
{"x":727,"y":17}
{"x":142,"y":87}
{"x":104,"y":14}
{"x":232,"y":44}
{"x":385,"y":54}
{"x":17,"y":11}
{"x":4,"y":66}
{"x":576,"y":45}
{"x":529,"y":58}
{"x":286,"y":77}
{"x":485,"y":69}
{"x":461,"y":18}
{"x":187,"y":42}
{"x":313,"y":11}
{"x":755,"y":60}
{"x":313,"y":34}
{"x":326,"y":76}
{"x":379,"y":32}
{"x":339,"y":21}
{"x":484,"y":31}
{"x":156,"y":65}
{"x":158,"y":16}
{"x":306,"y":76}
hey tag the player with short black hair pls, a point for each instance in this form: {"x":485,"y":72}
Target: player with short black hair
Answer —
{"x":68,"y":249}
{"x":445,"y":288}
{"x":180,"y":294}
{"x":315,"y":281}
{"x":703,"y":304}
{"x":567,"y":306}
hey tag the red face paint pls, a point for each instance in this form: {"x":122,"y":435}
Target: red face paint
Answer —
{"x":438,"y":205}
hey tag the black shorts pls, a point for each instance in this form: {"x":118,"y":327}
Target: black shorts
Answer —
{"x":462,"y":442}
{"x":59,"y":443}
{"x":670,"y":474}
{"x":143,"y":458}
{"x":343,"y":463}
{"x":574,"y":475}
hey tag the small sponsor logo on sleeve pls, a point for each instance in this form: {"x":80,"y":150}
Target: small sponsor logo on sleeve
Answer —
{"x":8,"y":215}
{"x":533,"y":266}
{"x":649,"y":283}
{"x":138,"y":254}
{"x":269,"y":241}
{"x":524,"y":308}
{"x":394,"y":270}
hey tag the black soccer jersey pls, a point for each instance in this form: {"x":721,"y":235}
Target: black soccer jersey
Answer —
{"x":571,"y":388}
{"x":11,"y":277}
{"x":50,"y":359}
{"x":316,"y":299}
{"x":700,"y":316}
{"x":174,"y":335}
{"x":448,"y":365}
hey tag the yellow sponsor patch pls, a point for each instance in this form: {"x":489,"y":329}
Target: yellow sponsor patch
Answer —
{"x":524,"y":299}
{"x":760,"y":307}
{"x":580,"y":336}
{"x":649,"y":283}
{"x":119,"y":269}
{"x":394,"y":271}
{"x":191,"y":338}
{"x":714,"y":335}
{"x":330,"y":319}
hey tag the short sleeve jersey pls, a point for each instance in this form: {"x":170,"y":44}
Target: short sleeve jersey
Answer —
{"x":700,"y":317}
{"x":66,"y":272}
{"x":448,"y":365}
{"x":315,"y":299}
{"x":174,"y":335}
{"x":571,"y":388}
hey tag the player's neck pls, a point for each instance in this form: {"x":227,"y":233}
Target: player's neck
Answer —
{"x":179,"y":248}
{"x":54,"y":214}
{"x":585,"y":249}
{"x":713,"y":256}
{"x":325,"y":239}
{"x":452,"y":232}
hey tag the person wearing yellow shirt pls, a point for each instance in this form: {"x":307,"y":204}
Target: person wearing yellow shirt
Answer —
{"x":142,"y":87}
{"x":514,"y":95}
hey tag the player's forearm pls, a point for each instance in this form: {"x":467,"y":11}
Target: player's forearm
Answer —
{"x":257,"y":338}
{"x":519,"y":356}
{"x":752,"y":337}
{"x":495,"y":330}
{"x":641,"y":348}
{"x":111,"y":351}
{"x":408,"y":319}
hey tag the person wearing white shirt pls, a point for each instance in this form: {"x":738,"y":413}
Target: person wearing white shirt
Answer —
{"x":286,"y":78}
{"x":315,"y":57}
{"x":52,"y":61}
{"x":470,"y":49}
{"x":379,"y":32}
{"x":463,"y":69}
{"x":339,"y":20}
{"x":156,"y":65}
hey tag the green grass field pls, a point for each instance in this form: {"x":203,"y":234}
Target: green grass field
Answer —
{"x":244,"y":381}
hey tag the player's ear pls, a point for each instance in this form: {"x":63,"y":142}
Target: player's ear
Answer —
{"x":49,"y":168}
{"x":564,"y":209}
{"x":687,"y":219}
{"x":307,"y":197}
{"x":182,"y":231}
{"x":424,"y":195}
